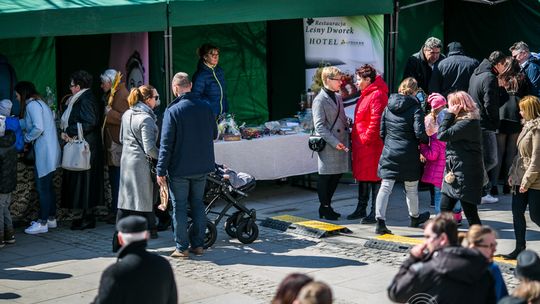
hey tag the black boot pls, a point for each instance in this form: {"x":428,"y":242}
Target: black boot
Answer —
{"x":506,"y":189}
{"x":325,"y":212}
{"x":334,"y":212}
{"x":359,"y":213}
{"x":363,"y":198}
{"x":494,"y":190}
{"x":370,"y":219}
{"x":422,"y":218}
{"x":381,"y":228}
{"x":513,"y":255}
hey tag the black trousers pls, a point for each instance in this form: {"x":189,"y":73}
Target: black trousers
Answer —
{"x":364,"y":190}
{"x":519,"y":205}
{"x":326,"y":186}
{"x":470,"y":209}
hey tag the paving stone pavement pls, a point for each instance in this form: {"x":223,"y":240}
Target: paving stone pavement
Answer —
{"x":64,"y":266}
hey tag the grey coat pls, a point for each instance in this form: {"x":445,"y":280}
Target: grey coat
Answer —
{"x":136,"y":187}
{"x":331,"y":160}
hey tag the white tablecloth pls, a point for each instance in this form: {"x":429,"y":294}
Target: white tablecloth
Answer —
{"x":269,"y":157}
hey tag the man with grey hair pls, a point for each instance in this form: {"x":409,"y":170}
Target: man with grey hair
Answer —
{"x":186,"y":156}
{"x":420,"y":65}
{"x":530,"y":66}
{"x":138,"y":276}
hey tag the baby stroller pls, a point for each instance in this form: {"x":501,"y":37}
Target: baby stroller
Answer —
{"x":231,"y":187}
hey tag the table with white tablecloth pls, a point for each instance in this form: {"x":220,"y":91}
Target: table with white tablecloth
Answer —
{"x":268,"y":157}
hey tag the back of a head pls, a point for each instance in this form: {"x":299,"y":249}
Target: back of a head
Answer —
{"x":132,"y":228}
{"x":289,"y":288}
{"x":181,"y":79}
{"x":496,"y":57}
{"x":409,"y":86}
{"x":315,"y":293}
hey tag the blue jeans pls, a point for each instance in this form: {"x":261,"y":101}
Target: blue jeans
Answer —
{"x":47,"y":196}
{"x":457,"y":207}
{"x":114,"y":180}
{"x":188,"y":191}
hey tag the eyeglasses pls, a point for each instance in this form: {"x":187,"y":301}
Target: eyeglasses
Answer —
{"x":213,"y":54}
{"x":336,"y":79}
{"x":72,"y":85}
{"x":156,"y":97}
{"x":490,"y":246}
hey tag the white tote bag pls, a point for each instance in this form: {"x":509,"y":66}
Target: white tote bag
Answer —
{"x":76,"y":155}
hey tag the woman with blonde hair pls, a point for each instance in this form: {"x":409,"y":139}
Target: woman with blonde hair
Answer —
{"x":138,"y":135}
{"x":524,"y":173}
{"x":402,"y":130}
{"x":332,"y":125}
{"x":464,"y":172}
{"x":484,"y":239}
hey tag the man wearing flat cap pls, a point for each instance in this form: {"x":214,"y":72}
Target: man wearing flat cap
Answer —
{"x":138,"y":276}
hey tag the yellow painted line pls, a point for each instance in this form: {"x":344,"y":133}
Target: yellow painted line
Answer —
{"x":413,"y":241}
{"x":289,"y":218}
{"x":321,"y":225}
{"x":399,"y":239}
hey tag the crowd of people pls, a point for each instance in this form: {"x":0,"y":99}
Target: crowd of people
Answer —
{"x":455,"y":124}
{"x":450,"y":114}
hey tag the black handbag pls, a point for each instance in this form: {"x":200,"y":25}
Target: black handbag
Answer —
{"x":315,"y":142}
{"x":29,"y":157}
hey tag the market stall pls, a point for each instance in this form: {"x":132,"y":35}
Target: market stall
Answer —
{"x":268,"y":157}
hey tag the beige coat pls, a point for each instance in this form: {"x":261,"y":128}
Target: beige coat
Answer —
{"x":525,"y":169}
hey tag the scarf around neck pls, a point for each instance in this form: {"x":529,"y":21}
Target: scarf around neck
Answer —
{"x":72,"y":100}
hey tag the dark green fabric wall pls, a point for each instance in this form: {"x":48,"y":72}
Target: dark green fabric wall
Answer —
{"x":286,"y":67}
{"x":242,"y":57}
{"x":484,"y":28}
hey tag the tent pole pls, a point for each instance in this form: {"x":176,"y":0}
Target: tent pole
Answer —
{"x":393,"y":33}
{"x":168,"y":57}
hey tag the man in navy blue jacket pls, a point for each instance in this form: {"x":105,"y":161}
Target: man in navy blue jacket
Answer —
{"x":186,"y":156}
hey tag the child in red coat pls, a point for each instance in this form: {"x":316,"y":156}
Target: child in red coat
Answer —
{"x":433,"y":154}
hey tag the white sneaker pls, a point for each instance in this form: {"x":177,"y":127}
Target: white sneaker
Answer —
{"x":488,"y":199}
{"x":36,"y":227}
{"x":52,"y":223}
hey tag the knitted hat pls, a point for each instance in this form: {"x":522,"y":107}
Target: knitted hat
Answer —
{"x":5,"y":107}
{"x":436,"y":100}
{"x":108,"y":75}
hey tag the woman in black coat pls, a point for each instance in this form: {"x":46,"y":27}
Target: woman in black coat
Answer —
{"x":83,"y":189}
{"x":402,"y":130}
{"x":464,"y":172}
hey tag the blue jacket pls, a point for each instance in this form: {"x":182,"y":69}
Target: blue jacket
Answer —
{"x":532,"y":70}
{"x":187,"y":139}
{"x":209,"y":84}
{"x":13,"y":124}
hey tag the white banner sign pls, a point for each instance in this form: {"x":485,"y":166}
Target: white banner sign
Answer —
{"x":344,"y":42}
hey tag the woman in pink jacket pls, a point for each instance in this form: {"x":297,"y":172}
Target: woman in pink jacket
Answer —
{"x":367,"y":144}
{"x":433,"y":154}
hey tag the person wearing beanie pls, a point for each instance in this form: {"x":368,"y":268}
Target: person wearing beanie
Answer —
{"x":138,"y":276}
{"x":433,"y":153}
{"x":453,"y":72}
{"x":116,"y":103}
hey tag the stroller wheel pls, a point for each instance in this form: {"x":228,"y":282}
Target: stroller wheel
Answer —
{"x":232,"y":223}
{"x":247,"y":231}
{"x":210,"y":235}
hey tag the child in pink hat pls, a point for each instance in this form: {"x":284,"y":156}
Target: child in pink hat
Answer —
{"x":434,"y":153}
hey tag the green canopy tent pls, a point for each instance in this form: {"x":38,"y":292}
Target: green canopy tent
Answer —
{"x":46,"y":18}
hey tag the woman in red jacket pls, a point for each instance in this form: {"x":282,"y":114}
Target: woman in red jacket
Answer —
{"x":367,"y":145}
